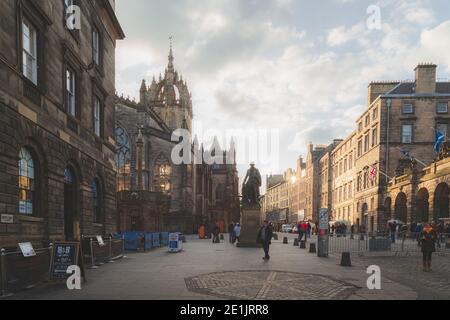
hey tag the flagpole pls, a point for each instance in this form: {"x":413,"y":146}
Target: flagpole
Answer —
{"x":413,"y":158}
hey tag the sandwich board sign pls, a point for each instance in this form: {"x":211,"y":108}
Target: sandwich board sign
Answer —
{"x":175,"y":244}
{"x":65,"y":255}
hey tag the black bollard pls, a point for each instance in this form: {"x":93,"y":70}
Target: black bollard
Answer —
{"x":221,"y":237}
{"x":346,"y":261}
{"x":312,"y":248}
{"x":295,"y":242}
{"x":285,"y":240}
{"x":303,"y":244}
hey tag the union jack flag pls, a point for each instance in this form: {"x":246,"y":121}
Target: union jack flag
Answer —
{"x":373,"y":173}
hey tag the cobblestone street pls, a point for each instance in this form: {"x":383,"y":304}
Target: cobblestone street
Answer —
{"x":408,"y":271}
{"x":204,"y":271}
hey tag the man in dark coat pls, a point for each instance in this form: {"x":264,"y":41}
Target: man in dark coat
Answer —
{"x":231,"y":231}
{"x":428,"y":240}
{"x":265,"y":235}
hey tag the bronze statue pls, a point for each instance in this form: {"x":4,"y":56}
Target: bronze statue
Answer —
{"x":250,"y":188}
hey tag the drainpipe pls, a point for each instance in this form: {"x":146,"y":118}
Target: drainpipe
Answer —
{"x":389,"y":105}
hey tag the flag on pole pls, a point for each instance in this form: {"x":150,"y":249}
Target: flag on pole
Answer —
{"x":406,"y":154}
{"x":373,"y":173}
{"x":440,"y":138}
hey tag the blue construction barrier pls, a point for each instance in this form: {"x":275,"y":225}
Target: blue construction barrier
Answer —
{"x":164,"y":239}
{"x":156,"y":241}
{"x":144,"y":240}
{"x":148,"y":241}
{"x":133,"y":240}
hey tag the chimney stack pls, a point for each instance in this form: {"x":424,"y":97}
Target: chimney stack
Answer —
{"x":426,"y":78}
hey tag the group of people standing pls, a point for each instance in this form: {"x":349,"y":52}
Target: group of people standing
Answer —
{"x":234,"y":230}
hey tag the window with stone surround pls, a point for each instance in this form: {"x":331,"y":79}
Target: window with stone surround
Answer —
{"x":408,"y":108}
{"x":162,"y":173}
{"x":96,"y":201}
{"x":442,"y":107}
{"x":366,"y":143}
{"x":71,"y":92}
{"x":123,"y":160}
{"x":374,"y":137}
{"x":407,"y":133}
{"x":29,"y":51}
{"x":27,"y":178}
{"x":98,"y":117}
{"x":360,"y":148}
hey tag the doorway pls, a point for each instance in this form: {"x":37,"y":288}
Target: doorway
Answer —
{"x":71,"y":221}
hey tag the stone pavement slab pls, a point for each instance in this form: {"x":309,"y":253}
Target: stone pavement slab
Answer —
{"x":239,"y":273}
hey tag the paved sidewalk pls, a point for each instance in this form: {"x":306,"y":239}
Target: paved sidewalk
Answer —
{"x":222,"y":271}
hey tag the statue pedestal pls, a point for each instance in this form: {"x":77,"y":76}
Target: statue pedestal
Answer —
{"x":250,"y":225}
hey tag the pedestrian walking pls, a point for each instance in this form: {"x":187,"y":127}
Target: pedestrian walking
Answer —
{"x":428,"y":240}
{"x":393,"y":231}
{"x":237,"y":232}
{"x":231,"y":232}
{"x":264,"y":238}
{"x":216,"y":231}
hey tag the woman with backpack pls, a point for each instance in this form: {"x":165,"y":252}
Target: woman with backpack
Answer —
{"x":428,"y":239}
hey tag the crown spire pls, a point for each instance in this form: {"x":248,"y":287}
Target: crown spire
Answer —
{"x":171,"y":68}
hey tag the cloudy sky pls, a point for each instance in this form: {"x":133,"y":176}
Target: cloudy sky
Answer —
{"x":299,"y":66}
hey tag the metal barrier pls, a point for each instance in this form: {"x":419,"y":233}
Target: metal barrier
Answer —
{"x":148,"y":241}
{"x":164,"y":239}
{"x":405,"y":244}
{"x":18,"y":273}
{"x":156,"y":240}
{"x":135,"y":241}
{"x":112,"y":249}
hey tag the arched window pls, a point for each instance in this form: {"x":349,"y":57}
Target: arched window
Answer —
{"x":27,"y":185}
{"x":96,"y":201}
{"x":162,"y":175}
{"x":123,"y":160}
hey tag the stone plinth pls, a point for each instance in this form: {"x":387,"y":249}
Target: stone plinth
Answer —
{"x":250,"y":225}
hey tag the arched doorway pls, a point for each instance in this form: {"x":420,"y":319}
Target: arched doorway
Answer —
{"x":71,"y":219}
{"x":422,"y":206}
{"x":401,"y":209}
{"x":441,"y":202}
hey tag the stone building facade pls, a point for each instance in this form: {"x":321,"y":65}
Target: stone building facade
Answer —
{"x":343,"y":175}
{"x":155,"y":193}
{"x":57,"y":169}
{"x":354,"y":178}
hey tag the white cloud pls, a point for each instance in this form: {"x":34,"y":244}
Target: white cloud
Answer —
{"x":248,"y":65}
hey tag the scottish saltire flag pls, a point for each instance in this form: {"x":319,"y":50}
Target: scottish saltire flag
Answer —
{"x":439,"y":141}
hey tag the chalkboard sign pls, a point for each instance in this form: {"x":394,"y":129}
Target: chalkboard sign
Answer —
{"x":64,"y":255}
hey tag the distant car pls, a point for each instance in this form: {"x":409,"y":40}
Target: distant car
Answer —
{"x":286,"y":228}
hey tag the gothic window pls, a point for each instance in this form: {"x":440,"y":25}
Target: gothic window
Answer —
{"x":26,"y":182}
{"x":162,"y":175}
{"x":123,"y":160}
{"x":96,"y":201}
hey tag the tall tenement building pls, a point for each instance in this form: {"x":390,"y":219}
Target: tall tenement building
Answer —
{"x":57,"y":145}
{"x":369,"y":177}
